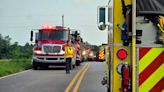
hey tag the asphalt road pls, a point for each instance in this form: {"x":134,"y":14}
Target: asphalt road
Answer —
{"x":55,"y":80}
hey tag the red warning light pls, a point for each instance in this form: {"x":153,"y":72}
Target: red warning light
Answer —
{"x":47,"y":27}
{"x":50,"y":27}
{"x":122,"y":54}
{"x":44,"y":27}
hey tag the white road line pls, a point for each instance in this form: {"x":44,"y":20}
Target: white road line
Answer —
{"x":14,"y":74}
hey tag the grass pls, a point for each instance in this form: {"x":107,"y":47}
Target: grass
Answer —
{"x":14,"y":66}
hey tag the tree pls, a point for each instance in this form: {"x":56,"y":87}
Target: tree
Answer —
{"x":10,"y":51}
{"x":15,"y":50}
{"x":4,"y":46}
{"x":26,"y":50}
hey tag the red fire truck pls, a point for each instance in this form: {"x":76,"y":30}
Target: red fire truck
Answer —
{"x":78,"y":44}
{"x":48,"y":47}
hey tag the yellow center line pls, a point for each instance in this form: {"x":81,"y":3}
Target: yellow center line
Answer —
{"x":80,"y":79}
{"x":74,"y":79}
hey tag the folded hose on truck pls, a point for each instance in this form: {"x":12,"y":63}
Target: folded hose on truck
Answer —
{"x":161,"y":26}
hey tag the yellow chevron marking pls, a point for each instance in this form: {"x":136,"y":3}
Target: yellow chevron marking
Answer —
{"x":162,"y":90}
{"x":149,"y":58}
{"x":152,"y":80}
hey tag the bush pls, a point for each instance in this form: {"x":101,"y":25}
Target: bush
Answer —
{"x":14,"y":66}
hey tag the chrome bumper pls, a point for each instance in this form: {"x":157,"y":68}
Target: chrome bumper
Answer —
{"x":49,"y":59}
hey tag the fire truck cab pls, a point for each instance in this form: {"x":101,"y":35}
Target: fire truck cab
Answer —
{"x":49,"y":46}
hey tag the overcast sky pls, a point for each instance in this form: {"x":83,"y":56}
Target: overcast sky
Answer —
{"x":18,"y":17}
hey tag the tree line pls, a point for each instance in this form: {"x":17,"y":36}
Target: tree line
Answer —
{"x":10,"y":50}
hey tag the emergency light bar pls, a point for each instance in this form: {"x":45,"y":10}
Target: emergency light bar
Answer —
{"x":52,"y":27}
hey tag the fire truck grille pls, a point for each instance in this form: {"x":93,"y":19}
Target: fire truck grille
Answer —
{"x":51,"y":49}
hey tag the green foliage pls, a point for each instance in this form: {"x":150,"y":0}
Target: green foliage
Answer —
{"x":14,"y":57}
{"x":4,"y":46}
{"x":13,"y":66}
{"x":13,"y":51}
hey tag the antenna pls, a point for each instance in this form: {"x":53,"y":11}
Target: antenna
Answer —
{"x":63,"y":20}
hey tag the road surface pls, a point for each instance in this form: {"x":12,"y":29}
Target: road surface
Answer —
{"x":86,"y":78}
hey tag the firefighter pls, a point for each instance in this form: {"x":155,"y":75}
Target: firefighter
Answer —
{"x":69,"y":53}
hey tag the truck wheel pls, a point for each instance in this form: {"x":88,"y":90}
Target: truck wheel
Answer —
{"x":73,"y":66}
{"x":35,"y":66}
{"x":108,"y":90}
{"x":77,"y":62}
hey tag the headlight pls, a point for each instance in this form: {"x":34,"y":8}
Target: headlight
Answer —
{"x":91,"y":54}
{"x":84,"y":53}
{"x":62,"y":52}
{"x":37,"y":52}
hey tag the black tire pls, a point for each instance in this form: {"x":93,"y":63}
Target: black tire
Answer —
{"x":73,"y":66}
{"x":77,"y":62}
{"x":108,"y":90}
{"x":35,"y":66}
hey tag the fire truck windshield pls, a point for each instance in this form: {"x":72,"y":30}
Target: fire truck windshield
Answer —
{"x":53,"y":35}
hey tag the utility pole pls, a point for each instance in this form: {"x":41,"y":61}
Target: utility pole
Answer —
{"x":63,"y":20}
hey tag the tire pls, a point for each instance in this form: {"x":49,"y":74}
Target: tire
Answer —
{"x":73,"y":66}
{"x":77,"y":62}
{"x":108,"y":90}
{"x":35,"y":66}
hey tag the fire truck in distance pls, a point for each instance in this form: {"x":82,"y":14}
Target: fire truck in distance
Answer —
{"x":78,"y":44}
{"x":85,"y":53}
{"x":101,"y":53}
{"x":49,"y":46}
{"x":88,"y":54}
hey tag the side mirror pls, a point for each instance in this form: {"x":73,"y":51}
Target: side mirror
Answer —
{"x":31,"y":37}
{"x":81,"y":40}
{"x":36,"y":37}
{"x":101,"y":18}
{"x":105,"y":17}
{"x":101,"y":26}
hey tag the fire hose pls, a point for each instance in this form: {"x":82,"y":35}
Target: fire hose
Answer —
{"x":161,"y":26}
{"x":126,"y":79}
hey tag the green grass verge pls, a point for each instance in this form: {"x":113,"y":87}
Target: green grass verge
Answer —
{"x":14,"y":66}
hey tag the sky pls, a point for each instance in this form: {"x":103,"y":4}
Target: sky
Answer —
{"x":19,"y":17}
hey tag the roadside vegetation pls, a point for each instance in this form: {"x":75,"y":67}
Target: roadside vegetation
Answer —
{"x":14,"y":57}
{"x":14,"y":66}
